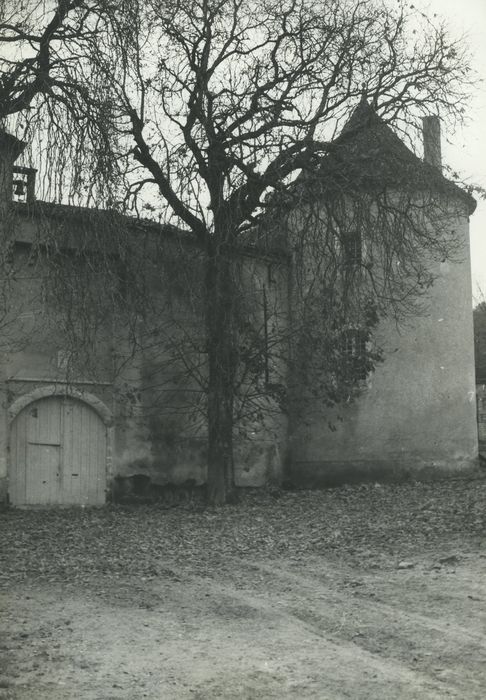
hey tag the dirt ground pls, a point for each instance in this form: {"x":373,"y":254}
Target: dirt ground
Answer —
{"x":365,"y":593}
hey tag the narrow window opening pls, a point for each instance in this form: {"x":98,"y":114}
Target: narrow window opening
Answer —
{"x":353,"y":353}
{"x":352,"y":249}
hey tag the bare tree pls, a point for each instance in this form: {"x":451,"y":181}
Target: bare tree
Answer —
{"x":32,"y":39}
{"x":45,"y":103}
{"x":213,"y":109}
{"x":46,"y":94}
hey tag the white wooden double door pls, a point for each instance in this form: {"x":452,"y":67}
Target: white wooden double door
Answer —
{"x":57,"y":454}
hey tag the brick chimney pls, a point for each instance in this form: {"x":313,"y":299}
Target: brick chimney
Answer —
{"x":10,"y":149}
{"x":431,"y":135}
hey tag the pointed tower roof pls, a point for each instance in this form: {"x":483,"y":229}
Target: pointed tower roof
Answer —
{"x":362,"y":116}
{"x":367,"y":134}
{"x":368,"y":155}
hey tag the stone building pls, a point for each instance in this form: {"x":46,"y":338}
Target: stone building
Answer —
{"x":78,"y":426}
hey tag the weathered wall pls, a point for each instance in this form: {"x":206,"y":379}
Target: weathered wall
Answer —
{"x":137,"y":357}
{"x":162,"y":428}
{"x":481,"y":406}
{"x":261,"y":445}
{"x":416,"y":416}
{"x":138,"y":363}
{"x":34,"y":350}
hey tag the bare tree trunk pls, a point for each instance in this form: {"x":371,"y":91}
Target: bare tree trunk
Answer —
{"x":220,"y":324}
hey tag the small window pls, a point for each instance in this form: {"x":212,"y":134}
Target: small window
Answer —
{"x":352,"y":249}
{"x":353,"y":353}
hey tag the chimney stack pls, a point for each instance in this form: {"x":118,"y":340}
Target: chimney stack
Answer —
{"x":431,"y":135}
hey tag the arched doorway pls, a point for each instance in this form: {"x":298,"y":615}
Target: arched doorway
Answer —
{"x":58,"y":453}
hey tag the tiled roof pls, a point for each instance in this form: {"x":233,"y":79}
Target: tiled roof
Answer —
{"x":368,"y":155}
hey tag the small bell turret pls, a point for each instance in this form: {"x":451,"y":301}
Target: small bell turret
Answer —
{"x":19,"y":188}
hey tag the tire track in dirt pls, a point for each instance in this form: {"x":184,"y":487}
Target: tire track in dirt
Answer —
{"x":314,"y":586}
{"x":325,"y":605}
{"x":254,"y":629}
{"x":400,"y":637}
{"x":241,"y":646}
{"x":281,"y":633}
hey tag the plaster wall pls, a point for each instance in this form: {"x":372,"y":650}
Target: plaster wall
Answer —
{"x":416,"y":416}
{"x":31,"y":364}
{"x":158,"y":430}
{"x":162,"y":430}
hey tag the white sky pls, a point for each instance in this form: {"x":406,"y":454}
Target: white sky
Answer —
{"x":465,"y":151}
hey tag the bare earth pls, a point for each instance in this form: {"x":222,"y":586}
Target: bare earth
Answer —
{"x":365,"y":592}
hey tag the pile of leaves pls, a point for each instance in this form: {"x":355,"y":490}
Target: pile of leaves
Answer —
{"x":395,"y":520}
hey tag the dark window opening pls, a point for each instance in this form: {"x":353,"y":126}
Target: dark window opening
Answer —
{"x":353,"y":353}
{"x":353,"y":249}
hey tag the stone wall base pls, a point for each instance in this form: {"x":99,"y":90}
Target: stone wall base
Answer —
{"x":322,"y":474}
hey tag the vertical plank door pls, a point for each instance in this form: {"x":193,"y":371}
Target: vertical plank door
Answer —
{"x":84,"y":454}
{"x":57,"y":454}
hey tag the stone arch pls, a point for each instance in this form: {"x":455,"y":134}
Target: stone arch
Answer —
{"x":99,"y":408}
{"x":55,"y":390}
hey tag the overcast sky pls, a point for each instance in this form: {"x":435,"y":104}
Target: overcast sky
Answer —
{"x":466,"y":151}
